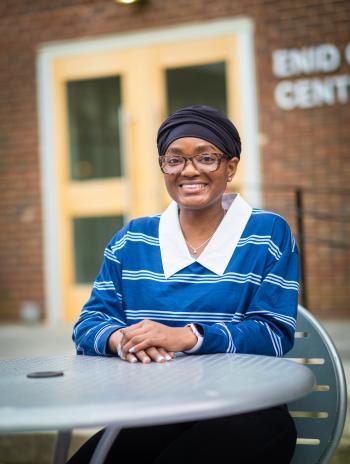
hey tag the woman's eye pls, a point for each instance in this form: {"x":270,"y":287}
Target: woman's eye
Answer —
{"x":207,"y":159}
{"x":173,"y":161}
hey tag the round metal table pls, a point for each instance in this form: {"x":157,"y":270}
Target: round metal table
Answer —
{"x":100,"y":391}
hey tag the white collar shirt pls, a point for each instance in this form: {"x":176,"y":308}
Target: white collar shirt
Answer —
{"x":217,"y":254}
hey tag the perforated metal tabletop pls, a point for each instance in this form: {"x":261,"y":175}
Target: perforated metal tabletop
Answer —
{"x":97,"y":391}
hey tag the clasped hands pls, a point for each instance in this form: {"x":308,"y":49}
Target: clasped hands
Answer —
{"x":149,"y":341}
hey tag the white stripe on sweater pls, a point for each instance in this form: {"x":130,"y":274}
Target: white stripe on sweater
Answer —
{"x":144,"y":274}
{"x":278,"y":280}
{"x":261,"y":240}
{"x":135,"y":237}
{"x":277,"y":316}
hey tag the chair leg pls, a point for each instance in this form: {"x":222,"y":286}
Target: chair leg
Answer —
{"x":104,"y":445}
{"x":62,"y":446}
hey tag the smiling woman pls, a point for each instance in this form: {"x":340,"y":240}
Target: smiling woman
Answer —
{"x":197,"y":173}
{"x":209,"y":275}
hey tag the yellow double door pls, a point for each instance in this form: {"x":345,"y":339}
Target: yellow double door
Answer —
{"x":108,"y":107}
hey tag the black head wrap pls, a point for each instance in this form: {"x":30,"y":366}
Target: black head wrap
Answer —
{"x":203,"y":122}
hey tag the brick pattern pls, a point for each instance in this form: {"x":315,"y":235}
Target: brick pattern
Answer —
{"x":302,"y":147}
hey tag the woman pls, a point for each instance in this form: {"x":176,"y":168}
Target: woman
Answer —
{"x":210,"y":275}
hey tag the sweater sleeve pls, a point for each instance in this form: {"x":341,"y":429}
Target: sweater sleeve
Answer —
{"x":103,"y":313}
{"x":269,"y":323}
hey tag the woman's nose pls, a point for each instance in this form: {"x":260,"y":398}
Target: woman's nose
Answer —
{"x":189,"y":168}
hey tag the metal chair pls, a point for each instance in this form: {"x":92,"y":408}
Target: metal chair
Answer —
{"x":319,"y":417}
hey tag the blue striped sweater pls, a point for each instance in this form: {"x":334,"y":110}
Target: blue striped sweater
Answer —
{"x":250,"y":308}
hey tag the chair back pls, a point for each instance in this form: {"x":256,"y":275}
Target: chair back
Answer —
{"x":319,"y":417}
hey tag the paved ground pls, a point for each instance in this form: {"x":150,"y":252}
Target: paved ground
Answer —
{"x":39,"y":340}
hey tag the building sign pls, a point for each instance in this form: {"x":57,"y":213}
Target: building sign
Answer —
{"x":314,"y":91}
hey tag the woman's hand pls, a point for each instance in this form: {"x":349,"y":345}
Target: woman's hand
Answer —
{"x":147,"y":334}
{"x":116,"y":344}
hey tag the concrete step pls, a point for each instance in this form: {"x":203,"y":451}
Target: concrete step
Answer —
{"x":38,"y":448}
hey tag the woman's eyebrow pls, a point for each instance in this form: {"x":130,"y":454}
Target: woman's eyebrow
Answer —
{"x":175,"y":151}
{"x":201,"y":148}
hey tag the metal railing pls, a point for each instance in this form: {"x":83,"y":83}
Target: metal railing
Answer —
{"x":320,"y":220}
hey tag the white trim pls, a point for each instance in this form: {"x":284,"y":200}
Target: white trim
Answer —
{"x":215,"y":28}
{"x":47,"y":53}
{"x":47,"y":147}
{"x":252,"y":181}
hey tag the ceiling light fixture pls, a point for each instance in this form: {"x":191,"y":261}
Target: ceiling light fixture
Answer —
{"x":127,"y":2}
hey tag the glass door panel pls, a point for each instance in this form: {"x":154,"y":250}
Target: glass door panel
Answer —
{"x":91,"y":234}
{"x":197,"y":85}
{"x":94,"y":107}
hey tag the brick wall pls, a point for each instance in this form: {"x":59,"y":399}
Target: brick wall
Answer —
{"x":309,"y":147}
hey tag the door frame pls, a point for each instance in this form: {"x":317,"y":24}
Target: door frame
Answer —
{"x":243,"y":30}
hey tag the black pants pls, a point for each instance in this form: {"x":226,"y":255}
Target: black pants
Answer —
{"x":266,"y":436}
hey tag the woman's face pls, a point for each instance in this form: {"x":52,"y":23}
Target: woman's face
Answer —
{"x":192,"y":188}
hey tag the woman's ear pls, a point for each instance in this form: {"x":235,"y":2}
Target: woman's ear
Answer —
{"x":231,"y":168}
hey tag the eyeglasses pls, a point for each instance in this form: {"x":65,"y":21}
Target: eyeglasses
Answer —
{"x":203,"y":162}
